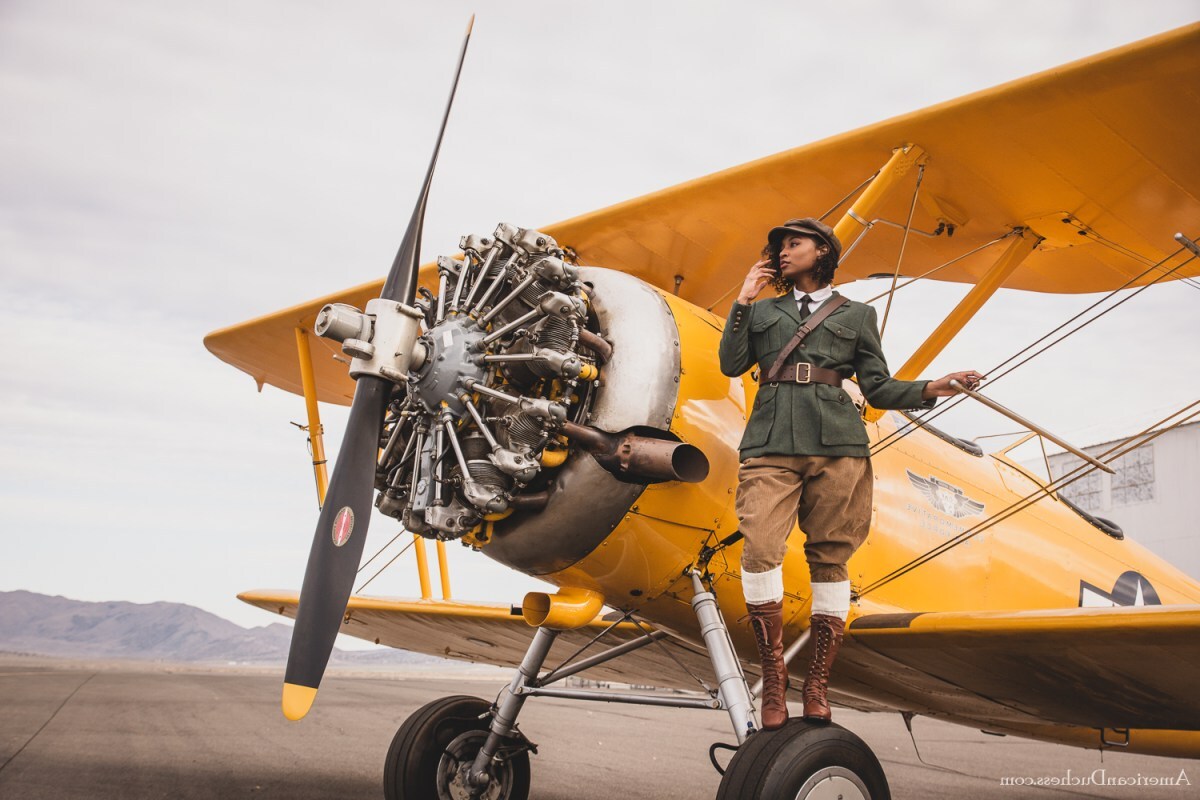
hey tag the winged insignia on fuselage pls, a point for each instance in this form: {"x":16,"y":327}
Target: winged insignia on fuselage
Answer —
{"x":945,"y":497}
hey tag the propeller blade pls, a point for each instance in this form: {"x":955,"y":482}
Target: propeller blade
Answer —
{"x":342,"y":527}
{"x":401,"y":282}
{"x":336,"y":549}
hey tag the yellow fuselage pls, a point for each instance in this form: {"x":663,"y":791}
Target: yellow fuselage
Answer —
{"x":1035,"y":559}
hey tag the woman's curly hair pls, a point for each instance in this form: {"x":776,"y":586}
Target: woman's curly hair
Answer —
{"x":823,"y":270}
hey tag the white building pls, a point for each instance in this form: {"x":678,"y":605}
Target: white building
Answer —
{"x":1154,"y":495}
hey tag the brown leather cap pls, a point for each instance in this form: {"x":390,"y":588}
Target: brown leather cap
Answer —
{"x":805,"y":227}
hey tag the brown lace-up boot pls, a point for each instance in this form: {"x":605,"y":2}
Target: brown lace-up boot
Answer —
{"x":826,"y":636}
{"x":767,"y":621}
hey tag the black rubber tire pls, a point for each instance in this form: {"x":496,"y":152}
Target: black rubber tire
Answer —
{"x":774,"y":765}
{"x":410,"y":772}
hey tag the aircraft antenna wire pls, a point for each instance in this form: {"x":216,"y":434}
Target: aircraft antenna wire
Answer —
{"x":903,"y":243}
{"x":1114,"y":453}
{"x":928,"y":416}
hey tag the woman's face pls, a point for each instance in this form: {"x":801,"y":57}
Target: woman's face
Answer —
{"x":798,"y":254}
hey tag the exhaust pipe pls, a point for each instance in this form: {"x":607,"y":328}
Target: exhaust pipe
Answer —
{"x":566,"y":609}
{"x":641,"y":459}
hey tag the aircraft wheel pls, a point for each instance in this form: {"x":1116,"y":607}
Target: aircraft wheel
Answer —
{"x":804,"y":761}
{"x":433,"y":745}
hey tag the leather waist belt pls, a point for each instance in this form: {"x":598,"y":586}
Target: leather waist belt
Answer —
{"x":803,"y":373}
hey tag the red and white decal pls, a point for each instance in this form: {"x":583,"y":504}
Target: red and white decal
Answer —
{"x":343,"y":526}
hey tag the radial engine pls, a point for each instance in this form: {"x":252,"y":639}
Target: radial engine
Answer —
{"x":500,"y":378}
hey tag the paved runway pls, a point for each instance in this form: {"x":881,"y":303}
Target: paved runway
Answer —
{"x":76,"y":731}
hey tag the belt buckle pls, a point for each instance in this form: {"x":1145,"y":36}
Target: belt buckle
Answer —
{"x":807,"y":373}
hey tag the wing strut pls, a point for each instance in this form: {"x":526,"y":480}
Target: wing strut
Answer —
{"x":316,"y":432}
{"x":860,"y":218}
{"x":857,"y":222}
{"x":1017,"y":251}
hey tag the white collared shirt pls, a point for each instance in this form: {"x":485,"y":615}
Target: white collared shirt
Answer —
{"x":818,"y":297}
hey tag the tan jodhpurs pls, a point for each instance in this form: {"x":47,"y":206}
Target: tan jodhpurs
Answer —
{"x":830,"y":497}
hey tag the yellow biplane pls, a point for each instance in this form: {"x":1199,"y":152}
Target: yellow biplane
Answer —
{"x":552,"y":399}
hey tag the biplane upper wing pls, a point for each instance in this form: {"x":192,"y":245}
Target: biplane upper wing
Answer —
{"x":1122,"y":667}
{"x":495,"y":634}
{"x":1096,"y":157}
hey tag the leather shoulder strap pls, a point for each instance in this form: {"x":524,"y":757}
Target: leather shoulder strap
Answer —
{"x":814,"y":319}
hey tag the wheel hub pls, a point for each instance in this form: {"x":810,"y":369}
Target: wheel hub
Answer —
{"x":833,"y":783}
{"x":453,"y":779}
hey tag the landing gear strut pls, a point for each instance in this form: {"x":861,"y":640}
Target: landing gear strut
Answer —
{"x":464,"y":748}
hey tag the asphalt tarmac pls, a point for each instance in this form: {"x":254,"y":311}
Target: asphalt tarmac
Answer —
{"x":72,"y":730}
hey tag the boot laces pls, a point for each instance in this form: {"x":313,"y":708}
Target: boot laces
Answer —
{"x":818,"y":673}
{"x":773,"y":685}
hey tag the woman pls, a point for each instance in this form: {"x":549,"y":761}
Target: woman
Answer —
{"x":804,"y":454}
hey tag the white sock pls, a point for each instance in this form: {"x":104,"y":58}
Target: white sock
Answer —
{"x":830,"y":599}
{"x":763,"y":587}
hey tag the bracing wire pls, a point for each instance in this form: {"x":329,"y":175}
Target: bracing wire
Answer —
{"x":903,"y":243}
{"x":379,"y":552}
{"x":850,"y":194}
{"x":994,"y":374}
{"x":1119,"y":248}
{"x":1114,"y":453}
{"x":403,"y":550}
{"x":580,"y":650}
{"x":835,"y":207}
{"x":674,"y":658}
{"x":941,"y":267}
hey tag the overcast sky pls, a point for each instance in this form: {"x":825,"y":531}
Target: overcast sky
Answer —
{"x":168,"y":168}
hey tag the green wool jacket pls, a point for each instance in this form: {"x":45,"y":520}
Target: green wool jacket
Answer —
{"x":812,"y":419}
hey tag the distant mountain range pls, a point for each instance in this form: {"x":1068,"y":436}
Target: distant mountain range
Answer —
{"x":56,"y":626}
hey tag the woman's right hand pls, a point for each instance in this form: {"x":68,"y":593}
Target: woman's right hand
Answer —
{"x":759,"y":276}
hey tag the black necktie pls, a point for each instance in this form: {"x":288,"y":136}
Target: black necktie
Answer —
{"x":805,"y":300}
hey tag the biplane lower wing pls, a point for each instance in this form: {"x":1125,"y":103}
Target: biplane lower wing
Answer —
{"x":1124,"y":667}
{"x":1134,"y":667}
{"x":485,"y":633}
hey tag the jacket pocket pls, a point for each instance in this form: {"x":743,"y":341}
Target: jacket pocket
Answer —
{"x":840,"y":420}
{"x":762,"y":418}
{"x":768,"y":337}
{"x":838,"y":341}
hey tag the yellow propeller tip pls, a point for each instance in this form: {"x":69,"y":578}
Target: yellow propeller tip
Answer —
{"x":470,"y":24}
{"x":297,"y":700}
